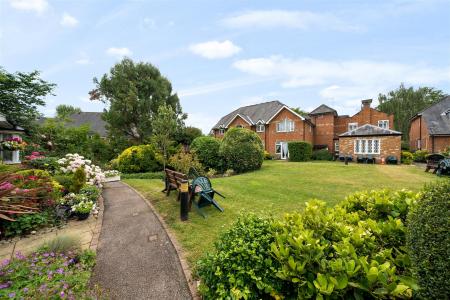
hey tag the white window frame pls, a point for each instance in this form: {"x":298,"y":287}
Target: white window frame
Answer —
{"x":288,"y":125}
{"x":278,"y":144}
{"x":239,"y":126}
{"x":383,"y":124}
{"x":350,"y":125}
{"x":336,"y":146}
{"x":260,"y":128}
{"x":366,"y":146}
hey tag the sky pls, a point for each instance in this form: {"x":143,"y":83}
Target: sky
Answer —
{"x":220,"y":55}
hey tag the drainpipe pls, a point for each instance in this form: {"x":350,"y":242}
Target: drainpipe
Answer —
{"x":303,"y":130}
{"x":420,"y":132}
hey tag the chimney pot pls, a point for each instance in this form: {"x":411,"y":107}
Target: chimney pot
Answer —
{"x":366,"y":103}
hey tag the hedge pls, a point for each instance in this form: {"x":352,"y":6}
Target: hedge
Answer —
{"x":146,"y":175}
{"x":299,"y":151}
{"x":242,"y":150}
{"x":138,"y":159}
{"x":429,"y":241}
{"x":322,"y":154}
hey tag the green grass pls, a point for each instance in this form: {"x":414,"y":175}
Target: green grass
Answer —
{"x":279,"y":187}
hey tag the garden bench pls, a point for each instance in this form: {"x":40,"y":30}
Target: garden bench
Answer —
{"x":173,"y":181}
{"x":443,"y":167}
{"x":433,"y":162}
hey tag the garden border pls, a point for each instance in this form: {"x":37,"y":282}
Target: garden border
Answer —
{"x":180,"y":253}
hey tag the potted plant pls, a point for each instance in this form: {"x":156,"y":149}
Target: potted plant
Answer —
{"x":83,"y":209}
{"x":112,"y":175}
{"x":13,"y":144}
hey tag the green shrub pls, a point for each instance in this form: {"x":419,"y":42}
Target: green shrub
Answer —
{"x":183,"y":162}
{"x":355,"y":250}
{"x":49,"y":164}
{"x":429,"y":240}
{"x":242,"y":266}
{"x":322,"y":154}
{"x":79,"y":179}
{"x":242,"y":150}
{"x":26,"y":223}
{"x":207,"y":150}
{"x":299,"y":151}
{"x":65,"y":180}
{"x":267,"y":155}
{"x":147,"y":175}
{"x":420,"y":156}
{"x":405,"y":145}
{"x":91,"y":192}
{"x":407,"y":157}
{"x":138,"y":159}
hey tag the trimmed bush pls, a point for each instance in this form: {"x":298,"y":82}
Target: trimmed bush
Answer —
{"x":407,"y":157}
{"x":242,"y":150}
{"x":207,"y":150}
{"x":429,"y":240}
{"x":147,"y":175}
{"x":138,"y":159}
{"x":242,"y":266}
{"x":322,"y":154}
{"x":420,"y":156}
{"x":183,"y":162}
{"x":79,"y":179}
{"x":299,"y":151}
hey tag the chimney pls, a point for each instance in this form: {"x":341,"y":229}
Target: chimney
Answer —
{"x":366,"y":103}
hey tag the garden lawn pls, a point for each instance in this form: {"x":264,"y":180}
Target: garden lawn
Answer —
{"x":279,"y":187}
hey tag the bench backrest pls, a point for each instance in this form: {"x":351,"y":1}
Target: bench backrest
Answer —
{"x":174,"y":178}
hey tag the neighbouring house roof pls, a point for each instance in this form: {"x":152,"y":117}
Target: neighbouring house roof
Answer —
{"x":323,"y":109}
{"x":93,"y":119}
{"x":252,"y":114}
{"x":7,"y":126}
{"x":369,"y":130}
{"x":437,"y":117}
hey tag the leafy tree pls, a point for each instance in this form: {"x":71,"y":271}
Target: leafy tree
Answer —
{"x":134,"y":92}
{"x":404,"y":103}
{"x":301,"y":112}
{"x":63,"y":111}
{"x":20,"y":96}
{"x":164,"y":127}
{"x":186,"y":135}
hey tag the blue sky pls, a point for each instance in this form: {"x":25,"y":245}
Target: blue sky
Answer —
{"x":220,"y":55}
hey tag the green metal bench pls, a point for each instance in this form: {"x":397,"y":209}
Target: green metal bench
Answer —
{"x":201,"y":187}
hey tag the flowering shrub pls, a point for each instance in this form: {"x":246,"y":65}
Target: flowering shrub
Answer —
{"x":46,"y":275}
{"x":37,"y":160}
{"x":91,"y":192}
{"x":71,"y":162}
{"x":34,"y":155}
{"x":72,"y":199}
{"x":112,"y":173}
{"x":83,"y":207}
{"x":14,"y":143}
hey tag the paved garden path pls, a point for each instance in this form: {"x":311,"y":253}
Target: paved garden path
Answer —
{"x":135,"y":258}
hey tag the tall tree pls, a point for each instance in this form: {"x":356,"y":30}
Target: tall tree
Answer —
{"x":300,"y":111}
{"x":63,"y":111}
{"x":20,"y":96}
{"x":404,"y":103}
{"x":165,"y":126}
{"x":134,"y":92}
{"x":187,"y":134}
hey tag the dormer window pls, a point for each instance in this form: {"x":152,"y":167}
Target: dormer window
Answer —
{"x":352,"y":126}
{"x":260,"y":128}
{"x":383,"y":124}
{"x":239,"y":126}
{"x":221,"y":131}
{"x":286,"y":125}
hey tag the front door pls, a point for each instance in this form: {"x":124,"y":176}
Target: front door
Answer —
{"x":284,"y":150}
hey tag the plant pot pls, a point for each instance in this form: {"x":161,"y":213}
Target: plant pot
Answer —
{"x":63,"y":211}
{"x":82,"y":216}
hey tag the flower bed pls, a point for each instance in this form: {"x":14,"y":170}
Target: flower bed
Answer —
{"x":47,"y":275}
{"x":13,"y":144}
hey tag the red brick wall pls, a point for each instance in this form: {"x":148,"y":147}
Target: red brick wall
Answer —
{"x":324,"y":130}
{"x":272,"y":136}
{"x":440,"y":143}
{"x":389,"y":145}
{"x":415,"y":134}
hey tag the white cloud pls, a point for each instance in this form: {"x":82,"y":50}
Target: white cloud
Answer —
{"x":68,"y":20}
{"x":343,"y":80}
{"x":288,"y":19}
{"x":119,"y":52}
{"x":84,"y":59}
{"x":202,"y":121}
{"x":38,"y":6}
{"x":215,"y":49}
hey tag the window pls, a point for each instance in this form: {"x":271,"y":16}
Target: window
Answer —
{"x":383,"y":124}
{"x":260,"y":128}
{"x":278,"y":148}
{"x":352,"y":126}
{"x":336,"y":146}
{"x":221,"y":131}
{"x":285,"y":126}
{"x":419,"y":144}
{"x":239,"y":126}
{"x":367,"y":146}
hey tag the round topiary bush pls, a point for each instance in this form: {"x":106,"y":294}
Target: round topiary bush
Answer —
{"x":429,"y":240}
{"x":242,"y":150}
{"x":137,"y":159}
{"x":322,"y":154}
{"x":207,"y":150}
{"x":299,"y":151}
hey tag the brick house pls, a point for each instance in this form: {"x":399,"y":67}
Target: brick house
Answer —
{"x":430,"y":128}
{"x":277,"y":124}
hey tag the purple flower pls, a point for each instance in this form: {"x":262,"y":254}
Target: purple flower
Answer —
{"x":43,"y":287}
{"x":12,"y":295}
{"x":20,"y":256}
{"x":62,"y":294}
{"x":45,"y":254}
{"x":60,"y":271}
{"x":5,"y":262}
{"x":65,"y":286}
{"x":25,"y":290}
{"x":52,"y":254}
{"x":4,"y":285}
